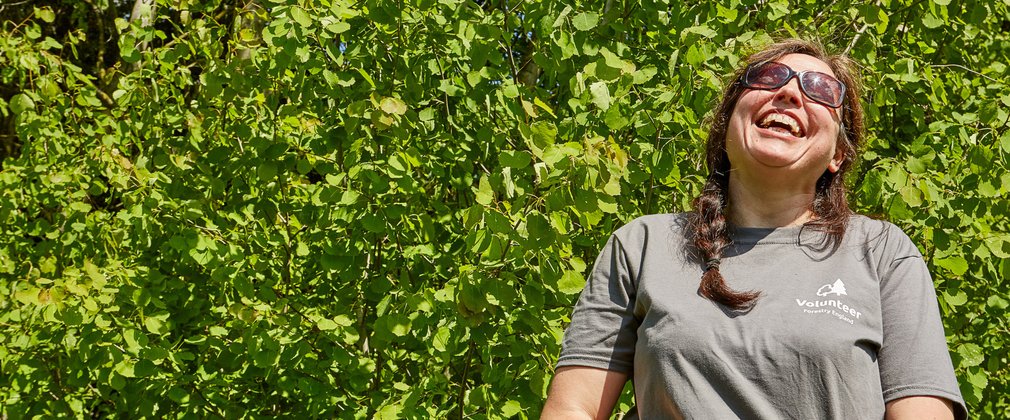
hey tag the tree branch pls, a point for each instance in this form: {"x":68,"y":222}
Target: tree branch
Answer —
{"x":859,"y":33}
{"x":965,"y":69}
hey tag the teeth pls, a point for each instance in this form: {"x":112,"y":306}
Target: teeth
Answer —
{"x":794,"y":126}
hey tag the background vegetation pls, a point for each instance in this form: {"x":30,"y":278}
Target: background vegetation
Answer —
{"x":386,"y":208}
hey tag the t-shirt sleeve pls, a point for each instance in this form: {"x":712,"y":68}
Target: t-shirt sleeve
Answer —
{"x":603,"y":330}
{"x":913,"y":358}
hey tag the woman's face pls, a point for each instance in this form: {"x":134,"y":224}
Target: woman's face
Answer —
{"x":779,"y":132}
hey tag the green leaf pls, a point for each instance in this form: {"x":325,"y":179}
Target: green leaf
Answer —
{"x":178,"y":395}
{"x":585,"y":21}
{"x":694,"y":56}
{"x":607,"y":204}
{"x":497,"y":222}
{"x":349,"y":198}
{"x":916,"y":165}
{"x":45,"y":13}
{"x":441,"y":339}
{"x":979,"y":379}
{"x":613,"y":186}
{"x":644,"y":75}
{"x":971,"y":355}
{"x":389,"y":412}
{"x":326,"y":324}
{"x":97,"y":278}
{"x":338,"y":27}
{"x":539,"y":229}
{"x":612,"y":61}
{"x":957,"y":299}
{"x":545,"y":107}
{"x":299,"y":15}
{"x":511,"y":408}
{"x":997,"y":302}
{"x":157,"y":323}
{"x":956,"y":264}
{"x":399,"y":324}
{"x":702,"y":30}
{"x":472,"y":299}
{"x":544,"y":133}
{"x":778,"y":9}
{"x":601,"y":95}
{"x":727,"y":14}
{"x":571,"y":282}
{"x":615,"y":119}
{"x":135,"y":340}
{"x":528,"y":107}
{"x":20,"y":103}
{"x":366,"y":76}
{"x":393,"y":106}
{"x":484,"y":194}
{"x":267,"y":171}
{"x":510,"y":90}
{"x":373,"y":223}
{"x":911,"y":195}
{"x":116,"y":381}
{"x":515,"y":159}
{"x":931,"y":21}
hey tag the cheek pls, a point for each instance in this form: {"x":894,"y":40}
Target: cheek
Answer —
{"x":827,"y":123}
{"x":738,"y":121}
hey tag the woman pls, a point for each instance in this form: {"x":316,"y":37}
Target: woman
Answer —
{"x":771,"y":299}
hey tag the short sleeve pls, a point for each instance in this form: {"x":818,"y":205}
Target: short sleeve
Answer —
{"x":603,"y":330}
{"x":913,"y":358}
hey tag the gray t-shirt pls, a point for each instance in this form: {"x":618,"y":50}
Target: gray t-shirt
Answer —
{"x":836,"y":333}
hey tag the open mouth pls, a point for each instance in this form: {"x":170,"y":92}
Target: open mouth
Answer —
{"x":781,"y":123}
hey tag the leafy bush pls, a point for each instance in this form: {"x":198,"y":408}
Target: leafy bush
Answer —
{"x":386,"y":209}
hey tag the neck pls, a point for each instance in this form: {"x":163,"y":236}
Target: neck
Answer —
{"x":767,"y":205}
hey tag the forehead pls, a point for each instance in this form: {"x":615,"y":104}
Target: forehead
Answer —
{"x":803,"y":62}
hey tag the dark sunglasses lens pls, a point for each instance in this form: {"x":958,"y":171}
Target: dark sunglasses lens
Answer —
{"x":768,"y":75}
{"x":822,"y":88}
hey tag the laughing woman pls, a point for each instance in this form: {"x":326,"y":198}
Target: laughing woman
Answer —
{"x":771,"y":300}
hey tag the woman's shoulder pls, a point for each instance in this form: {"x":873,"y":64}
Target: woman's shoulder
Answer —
{"x":651,"y":227}
{"x":872,"y":227}
{"x":880,"y":236}
{"x":662,"y":222}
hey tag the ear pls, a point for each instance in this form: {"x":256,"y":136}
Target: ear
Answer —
{"x":836,"y":161}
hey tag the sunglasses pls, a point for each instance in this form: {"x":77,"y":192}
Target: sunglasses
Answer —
{"x":821,"y":88}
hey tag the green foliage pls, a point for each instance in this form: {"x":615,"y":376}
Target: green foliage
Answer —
{"x":386,"y":209}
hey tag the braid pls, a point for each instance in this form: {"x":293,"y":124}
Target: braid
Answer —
{"x":710,"y":233}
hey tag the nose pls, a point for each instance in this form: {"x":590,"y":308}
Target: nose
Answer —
{"x":790,"y":93}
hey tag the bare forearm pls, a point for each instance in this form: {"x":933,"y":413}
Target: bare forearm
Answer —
{"x":583,"y":393}
{"x":919,"y":408}
{"x":553,"y":410}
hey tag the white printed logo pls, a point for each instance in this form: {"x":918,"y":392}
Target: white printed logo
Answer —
{"x":837,"y":288}
{"x":834,"y":307}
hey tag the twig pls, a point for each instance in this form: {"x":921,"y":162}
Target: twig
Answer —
{"x":462,"y":385}
{"x":965,"y":69}
{"x":508,"y":47}
{"x":859,"y":33}
{"x":824,"y":9}
{"x":2,"y":6}
{"x":516,"y":6}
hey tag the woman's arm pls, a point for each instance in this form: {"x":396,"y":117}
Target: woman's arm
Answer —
{"x":579,"y":392}
{"x":919,"y":407}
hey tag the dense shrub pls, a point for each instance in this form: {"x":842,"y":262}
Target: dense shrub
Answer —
{"x":379,"y":208}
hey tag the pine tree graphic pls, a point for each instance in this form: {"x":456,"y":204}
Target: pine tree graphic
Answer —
{"x":837,"y":288}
